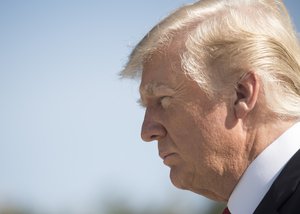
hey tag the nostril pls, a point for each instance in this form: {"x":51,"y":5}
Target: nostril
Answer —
{"x":153,"y":137}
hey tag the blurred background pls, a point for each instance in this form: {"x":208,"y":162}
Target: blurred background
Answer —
{"x":69,"y":127}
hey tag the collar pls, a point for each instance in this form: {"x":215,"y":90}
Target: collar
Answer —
{"x":261,"y":173}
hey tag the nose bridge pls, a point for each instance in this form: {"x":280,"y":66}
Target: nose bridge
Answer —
{"x":152,"y":129}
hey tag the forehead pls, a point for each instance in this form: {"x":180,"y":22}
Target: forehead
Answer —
{"x":162,"y":65}
{"x":160,"y":74}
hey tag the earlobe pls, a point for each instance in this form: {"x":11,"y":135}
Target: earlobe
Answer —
{"x":246,"y":95}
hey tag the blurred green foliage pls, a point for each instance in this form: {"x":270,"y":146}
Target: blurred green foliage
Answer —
{"x":114,"y":207}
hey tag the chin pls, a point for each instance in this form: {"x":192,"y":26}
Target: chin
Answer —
{"x":179,"y":184}
{"x":180,"y":180}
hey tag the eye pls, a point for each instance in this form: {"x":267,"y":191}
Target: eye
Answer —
{"x":165,"y":101}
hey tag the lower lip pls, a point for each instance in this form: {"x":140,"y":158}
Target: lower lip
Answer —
{"x":168,"y":158}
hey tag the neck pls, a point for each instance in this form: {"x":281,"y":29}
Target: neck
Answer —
{"x":264,"y":135}
{"x":257,"y":138}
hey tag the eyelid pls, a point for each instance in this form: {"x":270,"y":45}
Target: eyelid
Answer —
{"x":165,"y":101}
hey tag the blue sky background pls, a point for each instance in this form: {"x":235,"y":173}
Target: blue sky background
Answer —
{"x":69,"y":128}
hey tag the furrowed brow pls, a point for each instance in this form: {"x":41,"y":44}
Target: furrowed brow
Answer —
{"x":156,"y":89}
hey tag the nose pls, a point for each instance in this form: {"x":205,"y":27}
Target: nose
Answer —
{"x":152,"y":129}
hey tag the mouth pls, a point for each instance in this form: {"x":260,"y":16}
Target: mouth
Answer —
{"x":165,"y":155}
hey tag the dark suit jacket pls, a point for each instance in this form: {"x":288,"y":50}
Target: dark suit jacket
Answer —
{"x":284,"y":195}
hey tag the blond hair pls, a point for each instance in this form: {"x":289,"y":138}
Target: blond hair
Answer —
{"x":225,"y":39}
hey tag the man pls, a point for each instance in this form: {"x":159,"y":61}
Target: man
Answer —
{"x":220,"y":81}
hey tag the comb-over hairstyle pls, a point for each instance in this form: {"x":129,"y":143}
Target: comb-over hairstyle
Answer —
{"x":223,"y":40}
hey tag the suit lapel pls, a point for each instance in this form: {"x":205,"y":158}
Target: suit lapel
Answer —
{"x":282,"y":188}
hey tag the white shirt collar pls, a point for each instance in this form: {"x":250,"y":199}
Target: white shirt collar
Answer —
{"x":261,"y":173}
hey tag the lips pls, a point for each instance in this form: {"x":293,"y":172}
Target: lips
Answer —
{"x":164,"y":155}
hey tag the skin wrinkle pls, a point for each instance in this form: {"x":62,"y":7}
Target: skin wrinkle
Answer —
{"x":155,"y":89}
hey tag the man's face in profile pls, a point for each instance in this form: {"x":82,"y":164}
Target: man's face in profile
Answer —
{"x":190,"y":128}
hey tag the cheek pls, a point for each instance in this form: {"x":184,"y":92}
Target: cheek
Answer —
{"x":206,"y":143}
{"x":200,"y":135}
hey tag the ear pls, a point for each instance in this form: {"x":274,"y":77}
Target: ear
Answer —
{"x":246,"y":95}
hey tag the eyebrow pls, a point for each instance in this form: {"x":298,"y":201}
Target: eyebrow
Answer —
{"x":156,"y":89}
